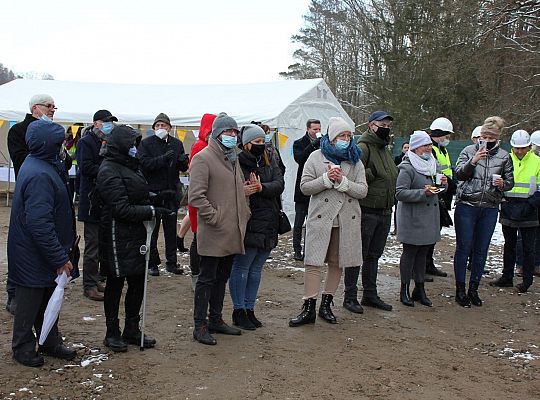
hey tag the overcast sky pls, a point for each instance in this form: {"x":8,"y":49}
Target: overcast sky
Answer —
{"x":157,"y":41}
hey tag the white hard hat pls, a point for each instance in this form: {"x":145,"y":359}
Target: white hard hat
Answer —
{"x":442,"y":124}
{"x":535,"y":138}
{"x":476,"y":132}
{"x":520,"y":138}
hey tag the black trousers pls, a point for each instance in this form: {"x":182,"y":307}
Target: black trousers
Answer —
{"x":30,"y":314}
{"x":412,"y":263}
{"x":210,"y":289}
{"x":194,"y":258}
{"x":300,"y":214}
{"x":528,"y":237}
{"x":169,"y":232}
{"x":133,"y":300}
{"x":91,"y":257}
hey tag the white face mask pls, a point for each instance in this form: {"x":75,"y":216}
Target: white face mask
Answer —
{"x":161,"y":133}
{"x":318,"y":134}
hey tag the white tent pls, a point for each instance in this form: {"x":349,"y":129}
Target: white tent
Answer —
{"x":283,"y":105}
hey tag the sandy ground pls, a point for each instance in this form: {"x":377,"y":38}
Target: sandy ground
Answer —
{"x":444,"y":352}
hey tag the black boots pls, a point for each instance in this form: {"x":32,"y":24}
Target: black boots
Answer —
{"x":174,"y":268}
{"x":307,"y":316}
{"x":132,"y":334}
{"x":473,"y":294}
{"x":325,"y":312}
{"x":29,"y":359}
{"x":419,"y":294}
{"x":220,"y":326}
{"x":524,"y":286}
{"x":433,"y":270}
{"x":241,"y":320}
{"x":404,"y":296}
{"x":180,"y":244}
{"x":253,"y":319}
{"x":201,"y":335}
{"x":113,"y":339}
{"x":461,"y":297}
{"x":502,"y":282}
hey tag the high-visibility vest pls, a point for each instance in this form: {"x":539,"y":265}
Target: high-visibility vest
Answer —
{"x":71,"y":153}
{"x":526,"y":175}
{"x":444,"y":161}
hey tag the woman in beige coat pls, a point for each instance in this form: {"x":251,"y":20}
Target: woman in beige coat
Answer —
{"x":335,"y":179}
{"x":218,"y":192}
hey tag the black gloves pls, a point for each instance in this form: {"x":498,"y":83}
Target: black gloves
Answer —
{"x":169,"y":154}
{"x":160,"y":211}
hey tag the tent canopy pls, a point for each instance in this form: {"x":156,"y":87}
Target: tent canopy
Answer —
{"x":283,"y":105}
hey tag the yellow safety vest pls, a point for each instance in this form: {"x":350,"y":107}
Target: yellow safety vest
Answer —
{"x":444,"y":161}
{"x":526,"y":175}
{"x":71,"y":153}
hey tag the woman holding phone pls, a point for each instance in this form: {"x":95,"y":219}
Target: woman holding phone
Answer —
{"x":484,"y":172}
{"x":335,"y":179}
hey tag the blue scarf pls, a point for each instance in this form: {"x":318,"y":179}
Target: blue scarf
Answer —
{"x":351,"y":153}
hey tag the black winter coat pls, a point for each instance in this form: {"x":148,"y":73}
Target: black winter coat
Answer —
{"x":302,"y":148}
{"x":126,"y":204}
{"x":89,"y":160}
{"x":160,"y":172}
{"x":18,"y":150}
{"x":262,"y":227}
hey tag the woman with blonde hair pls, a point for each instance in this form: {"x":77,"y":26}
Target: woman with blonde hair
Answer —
{"x":484,"y":171}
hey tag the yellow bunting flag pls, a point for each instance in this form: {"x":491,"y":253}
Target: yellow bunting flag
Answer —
{"x":74,"y":130}
{"x":282,"y":139}
{"x":181,"y":134}
{"x":1,"y":122}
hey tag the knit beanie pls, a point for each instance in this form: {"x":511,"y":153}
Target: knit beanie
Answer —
{"x":337,"y":125}
{"x":162,"y":117}
{"x":418,"y":139}
{"x":222,"y":123}
{"x":251,"y":132}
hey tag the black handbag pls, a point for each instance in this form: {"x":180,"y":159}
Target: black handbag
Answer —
{"x":445,"y":218}
{"x":284,"y":224}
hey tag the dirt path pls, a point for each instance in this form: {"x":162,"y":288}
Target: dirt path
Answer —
{"x":444,"y":352}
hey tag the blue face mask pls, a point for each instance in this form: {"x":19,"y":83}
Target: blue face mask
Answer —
{"x":44,"y":117}
{"x":107,"y":127}
{"x":132,"y":152}
{"x":342,"y":144}
{"x":228,"y":141}
{"x":267,"y":138}
{"x":445,"y":143}
{"x":425,"y":156}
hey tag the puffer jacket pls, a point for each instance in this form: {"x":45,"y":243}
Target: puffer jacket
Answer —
{"x":475,"y":187}
{"x":126,"y":204}
{"x":262,"y":227}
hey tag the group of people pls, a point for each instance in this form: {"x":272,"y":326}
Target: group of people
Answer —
{"x":345,"y":193}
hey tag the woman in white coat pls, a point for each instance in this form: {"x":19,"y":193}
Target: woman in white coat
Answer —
{"x":335,"y":179}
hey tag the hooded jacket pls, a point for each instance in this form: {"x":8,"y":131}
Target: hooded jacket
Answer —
{"x":41,"y":224}
{"x":89,"y":160}
{"x":381,"y":174}
{"x":475,"y":187}
{"x":126,"y":204}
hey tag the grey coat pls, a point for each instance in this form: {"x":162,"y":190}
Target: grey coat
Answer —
{"x":475,"y":186}
{"x":418,"y":216}
{"x":327,"y":204}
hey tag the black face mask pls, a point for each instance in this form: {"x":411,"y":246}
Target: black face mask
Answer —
{"x":257,"y":149}
{"x":383,"y":133}
{"x":491,"y":145}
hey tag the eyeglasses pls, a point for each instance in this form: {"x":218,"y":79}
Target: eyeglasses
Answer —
{"x":49,"y":106}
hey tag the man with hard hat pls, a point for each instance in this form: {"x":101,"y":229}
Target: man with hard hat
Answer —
{"x":535,"y":141}
{"x":439,"y":130}
{"x":475,"y":135}
{"x":520,"y":212}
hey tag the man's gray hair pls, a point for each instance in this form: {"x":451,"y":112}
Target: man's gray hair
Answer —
{"x":40,"y":99}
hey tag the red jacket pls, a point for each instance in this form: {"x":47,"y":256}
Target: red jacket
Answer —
{"x":205,"y":129}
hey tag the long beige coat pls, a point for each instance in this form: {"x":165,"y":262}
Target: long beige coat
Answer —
{"x":326,"y":204}
{"x":216,"y":190}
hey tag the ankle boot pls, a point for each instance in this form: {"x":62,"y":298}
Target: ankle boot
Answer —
{"x":419,"y":294}
{"x":180,"y":244}
{"x":241,"y":320}
{"x":523,"y":286}
{"x":325,"y":312}
{"x":461,"y":297}
{"x":253,"y":319}
{"x":307,"y":316}
{"x":132,"y":334}
{"x":113,"y":339}
{"x":202,"y":335}
{"x":473,"y":294}
{"x":404,"y":296}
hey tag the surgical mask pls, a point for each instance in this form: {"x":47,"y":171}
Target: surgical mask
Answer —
{"x":425,"y":156}
{"x":488,"y":145}
{"x":132,"y":152}
{"x":106,"y":128}
{"x":44,"y":117}
{"x":444,"y":143}
{"x":536,"y":149}
{"x":318,"y":135}
{"x":228,"y":141}
{"x":383,"y":133}
{"x":342,"y":144}
{"x":257,"y":149}
{"x":267,"y":138}
{"x":161,"y":133}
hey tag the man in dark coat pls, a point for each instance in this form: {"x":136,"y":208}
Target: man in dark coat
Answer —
{"x":302,"y":148}
{"x":41,"y":107}
{"x":39,"y":241}
{"x":162,"y":158}
{"x":89,"y":160}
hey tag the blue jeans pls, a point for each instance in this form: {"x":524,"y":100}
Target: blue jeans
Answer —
{"x":474,"y":228}
{"x":246,"y":277}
